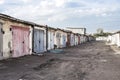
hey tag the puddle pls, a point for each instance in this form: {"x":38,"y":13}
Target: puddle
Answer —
{"x":103,"y":60}
{"x":57,"y":51}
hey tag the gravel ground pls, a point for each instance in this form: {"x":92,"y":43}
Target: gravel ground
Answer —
{"x":89,"y":61}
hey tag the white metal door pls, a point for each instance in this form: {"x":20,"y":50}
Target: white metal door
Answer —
{"x":41,"y":41}
{"x":49,"y":40}
{"x":52,"y":40}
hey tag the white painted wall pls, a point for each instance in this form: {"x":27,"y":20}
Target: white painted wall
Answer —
{"x":101,"y":38}
{"x":114,"y":39}
{"x":118,"y":39}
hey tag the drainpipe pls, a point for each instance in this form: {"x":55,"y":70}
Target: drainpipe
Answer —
{"x":33,"y":39}
{"x":46,"y":37}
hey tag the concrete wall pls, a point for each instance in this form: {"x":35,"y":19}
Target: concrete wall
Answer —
{"x":114,"y":39}
{"x":117,"y":39}
{"x":101,"y":38}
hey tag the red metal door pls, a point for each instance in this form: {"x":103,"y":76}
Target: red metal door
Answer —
{"x":78,"y":39}
{"x":20,"y":41}
{"x":68,"y":40}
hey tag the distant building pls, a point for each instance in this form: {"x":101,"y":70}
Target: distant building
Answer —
{"x":77,"y":30}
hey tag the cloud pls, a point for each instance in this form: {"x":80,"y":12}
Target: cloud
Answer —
{"x":26,"y":1}
{"x":56,"y":11}
{"x":1,"y":1}
{"x":60,"y":7}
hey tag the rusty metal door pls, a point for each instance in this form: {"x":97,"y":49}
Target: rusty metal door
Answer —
{"x":78,"y":40}
{"x":68,"y":39}
{"x":20,"y":41}
{"x":38,"y":41}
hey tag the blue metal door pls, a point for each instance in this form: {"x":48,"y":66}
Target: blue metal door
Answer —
{"x":64,"y":41}
{"x":38,"y":41}
{"x":41,"y":40}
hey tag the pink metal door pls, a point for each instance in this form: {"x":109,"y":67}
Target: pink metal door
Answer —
{"x":20,"y":41}
{"x":26,"y":41}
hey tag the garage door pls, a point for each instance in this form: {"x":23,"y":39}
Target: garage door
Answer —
{"x":52,"y":40}
{"x":38,"y":41}
{"x":20,"y":41}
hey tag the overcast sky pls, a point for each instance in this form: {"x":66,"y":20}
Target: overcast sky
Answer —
{"x":91,"y":14}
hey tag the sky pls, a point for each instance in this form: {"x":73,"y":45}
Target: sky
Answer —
{"x":91,"y":14}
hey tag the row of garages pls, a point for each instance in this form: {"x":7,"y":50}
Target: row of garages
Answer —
{"x":19,"y":38}
{"x":114,"y":38}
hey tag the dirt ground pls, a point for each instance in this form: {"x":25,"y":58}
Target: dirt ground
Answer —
{"x":89,"y":61}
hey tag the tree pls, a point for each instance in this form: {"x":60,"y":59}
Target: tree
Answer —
{"x":100,"y":31}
